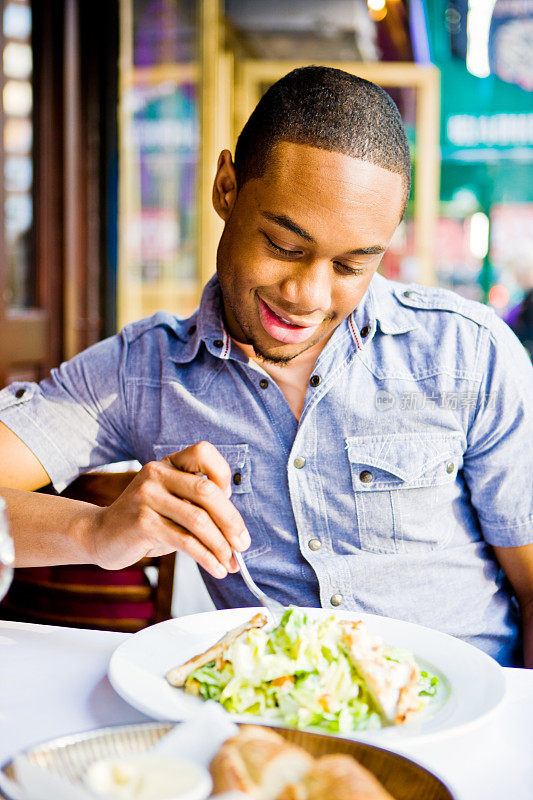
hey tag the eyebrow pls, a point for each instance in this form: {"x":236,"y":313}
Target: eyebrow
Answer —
{"x":374,"y":250}
{"x":290,"y":225}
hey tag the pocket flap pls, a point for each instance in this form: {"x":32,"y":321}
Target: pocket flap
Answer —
{"x":235,"y":454}
{"x":416,"y":459}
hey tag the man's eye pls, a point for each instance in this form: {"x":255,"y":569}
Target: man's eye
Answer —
{"x":281,"y":250}
{"x":343,"y":269}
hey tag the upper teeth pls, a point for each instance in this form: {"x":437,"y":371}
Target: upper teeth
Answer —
{"x":286,"y":321}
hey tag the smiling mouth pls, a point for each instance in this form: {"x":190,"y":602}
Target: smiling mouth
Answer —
{"x":287,"y":320}
{"x":282,"y":328}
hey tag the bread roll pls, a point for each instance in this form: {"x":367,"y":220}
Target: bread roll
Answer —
{"x":340,"y":777}
{"x":259,"y":762}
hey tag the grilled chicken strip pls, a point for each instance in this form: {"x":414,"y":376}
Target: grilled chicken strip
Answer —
{"x":393,"y":684}
{"x":178,"y":675}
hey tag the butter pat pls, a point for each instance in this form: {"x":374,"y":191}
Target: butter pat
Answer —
{"x":146,"y":777}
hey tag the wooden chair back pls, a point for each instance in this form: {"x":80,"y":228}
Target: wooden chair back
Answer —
{"x":86,"y":596}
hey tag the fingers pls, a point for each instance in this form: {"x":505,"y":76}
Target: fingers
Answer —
{"x":204,"y":458}
{"x":206,"y":494}
{"x":197,"y":522}
{"x":183,"y":503}
{"x":173,"y":537}
{"x":204,"y":557}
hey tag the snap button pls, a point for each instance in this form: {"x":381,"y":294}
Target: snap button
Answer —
{"x":299,"y":462}
{"x":336,"y":599}
{"x":263,"y":383}
{"x":20,"y":393}
{"x":315,"y":380}
{"x":192,"y":329}
{"x":237,"y":479}
{"x":450,"y":466}
{"x":366,"y":476}
{"x":218,"y":342}
{"x":314,"y":544}
{"x":365,"y":330}
{"x":408,"y":294}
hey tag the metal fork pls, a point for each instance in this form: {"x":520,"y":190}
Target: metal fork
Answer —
{"x":276,"y":609}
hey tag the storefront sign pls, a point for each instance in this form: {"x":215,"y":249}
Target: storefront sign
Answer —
{"x":490,"y":130}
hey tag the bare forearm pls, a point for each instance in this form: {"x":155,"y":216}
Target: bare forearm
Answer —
{"x":527,"y":632}
{"x":168,"y":506}
{"x":48,"y":530}
{"x":517,"y":563}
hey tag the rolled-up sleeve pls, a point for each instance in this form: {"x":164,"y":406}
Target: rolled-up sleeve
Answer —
{"x":498,"y":463}
{"x":76,"y":419}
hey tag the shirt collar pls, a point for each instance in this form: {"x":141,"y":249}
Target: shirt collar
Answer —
{"x":380,"y":305}
{"x":206,"y":326}
{"x":384,"y":297}
{"x":211,"y":329}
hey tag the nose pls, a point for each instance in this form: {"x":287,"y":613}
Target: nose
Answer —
{"x":307,"y":287}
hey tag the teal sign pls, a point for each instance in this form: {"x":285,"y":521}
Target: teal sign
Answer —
{"x":487,"y":113}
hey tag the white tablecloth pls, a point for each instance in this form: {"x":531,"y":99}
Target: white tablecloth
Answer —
{"x":53,"y":682}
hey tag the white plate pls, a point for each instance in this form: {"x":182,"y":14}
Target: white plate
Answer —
{"x":472,"y":684}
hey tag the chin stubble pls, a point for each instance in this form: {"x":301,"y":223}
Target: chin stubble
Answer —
{"x":279,"y":360}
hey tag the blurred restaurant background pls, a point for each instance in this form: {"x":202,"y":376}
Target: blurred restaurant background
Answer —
{"x":114,"y":113}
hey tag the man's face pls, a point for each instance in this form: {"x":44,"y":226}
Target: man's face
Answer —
{"x":300,"y":246}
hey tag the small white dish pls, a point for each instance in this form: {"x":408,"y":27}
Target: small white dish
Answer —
{"x":143,"y":776}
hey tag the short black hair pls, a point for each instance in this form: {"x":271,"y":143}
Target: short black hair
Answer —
{"x":330,"y":109}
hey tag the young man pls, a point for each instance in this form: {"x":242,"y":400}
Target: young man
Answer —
{"x":366,"y":443}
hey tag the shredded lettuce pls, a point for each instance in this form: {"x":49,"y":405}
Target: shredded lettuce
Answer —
{"x":429,"y":684}
{"x":300,"y":673}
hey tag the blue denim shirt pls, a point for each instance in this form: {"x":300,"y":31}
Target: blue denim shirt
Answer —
{"x":412,"y":455}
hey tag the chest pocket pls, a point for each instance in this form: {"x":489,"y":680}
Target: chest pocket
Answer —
{"x":242,"y":494}
{"x":404,"y":487}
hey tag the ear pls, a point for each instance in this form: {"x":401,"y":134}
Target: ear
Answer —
{"x":224,"y":186}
